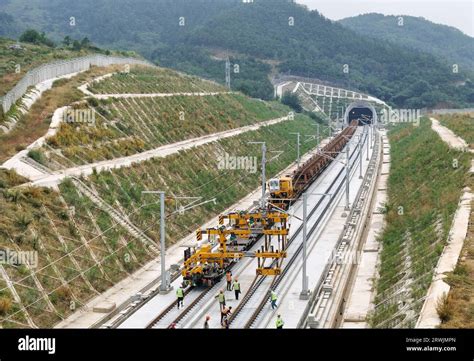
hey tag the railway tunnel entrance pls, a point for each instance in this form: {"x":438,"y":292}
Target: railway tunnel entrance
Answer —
{"x":361,"y":111}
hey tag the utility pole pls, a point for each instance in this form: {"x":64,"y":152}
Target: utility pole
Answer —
{"x":368,"y":141}
{"x":227,"y":73}
{"x":361,"y":147}
{"x":298,"y":145}
{"x":374,"y":133}
{"x":264,"y":180}
{"x":347,"y":208}
{"x":304,"y":291}
{"x":372,"y":138}
{"x":164,"y":287}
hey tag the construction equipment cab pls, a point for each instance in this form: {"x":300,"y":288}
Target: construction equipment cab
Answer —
{"x":281,"y":187}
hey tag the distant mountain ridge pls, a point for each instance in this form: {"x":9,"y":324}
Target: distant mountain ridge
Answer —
{"x":418,"y":33}
{"x":183,"y":34}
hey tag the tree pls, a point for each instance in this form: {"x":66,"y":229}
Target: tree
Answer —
{"x":292,"y":100}
{"x":76,"y":45}
{"x":31,"y":36}
{"x":34,"y":37}
{"x":85,"y":43}
{"x":67,"y":40}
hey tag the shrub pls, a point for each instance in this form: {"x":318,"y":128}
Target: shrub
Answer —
{"x":444,"y":308}
{"x":292,"y":100}
{"x":36,"y":155}
{"x":93,"y":102}
{"x":34,"y":37}
{"x":5,"y":305}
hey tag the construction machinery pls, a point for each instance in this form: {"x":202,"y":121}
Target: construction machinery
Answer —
{"x":230,"y":242}
{"x":288,"y":188}
{"x":238,"y":231}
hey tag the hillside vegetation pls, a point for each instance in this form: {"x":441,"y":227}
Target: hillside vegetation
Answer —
{"x":128,"y":126}
{"x":417,"y":33}
{"x":82,"y":251}
{"x":461,"y":124}
{"x":35,"y":123}
{"x":124,"y":126}
{"x":458,"y":306}
{"x":425,"y":183}
{"x":27,"y":58}
{"x":145,"y":80}
{"x":316,"y":47}
{"x":263,"y":37}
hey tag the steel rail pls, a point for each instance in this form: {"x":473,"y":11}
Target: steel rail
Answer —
{"x":259,"y":279}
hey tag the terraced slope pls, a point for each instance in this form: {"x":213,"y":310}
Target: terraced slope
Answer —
{"x":83,"y":251}
{"x":69,"y":249}
{"x":425,"y":183}
{"x":196,"y":172}
{"x":128,"y":126}
{"x":35,"y":123}
{"x":95,"y":231}
{"x":142,"y":80}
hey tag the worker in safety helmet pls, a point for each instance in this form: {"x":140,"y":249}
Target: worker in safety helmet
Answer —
{"x":180,"y":296}
{"x":279,"y":322}
{"x":236,"y":287}
{"x":273,"y":299}
{"x":221,"y":298}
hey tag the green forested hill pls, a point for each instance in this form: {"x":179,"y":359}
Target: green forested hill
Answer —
{"x":317,"y":47}
{"x":417,"y":33}
{"x":259,"y":38}
{"x":126,"y":24}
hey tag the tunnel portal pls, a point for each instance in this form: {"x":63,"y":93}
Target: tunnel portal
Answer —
{"x":363,"y":112}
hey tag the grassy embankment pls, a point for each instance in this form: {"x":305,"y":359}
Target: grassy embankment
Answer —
{"x":128,"y":126}
{"x":461,"y":124}
{"x":457,"y":310}
{"x":36,"y":122}
{"x":425,"y":183}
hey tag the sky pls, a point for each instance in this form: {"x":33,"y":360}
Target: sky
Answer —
{"x":456,"y":13}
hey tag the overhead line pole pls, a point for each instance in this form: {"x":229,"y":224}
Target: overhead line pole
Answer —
{"x":298,"y":145}
{"x":368,"y":141}
{"x":164,"y":287}
{"x":305,"y":293}
{"x":264,"y":180}
{"x":361,"y":147}
{"x":347,"y":176}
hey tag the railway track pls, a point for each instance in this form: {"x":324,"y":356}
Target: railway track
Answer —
{"x":164,"y":319}
{"x":163,"y":315}
{"x":259,"y":280}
